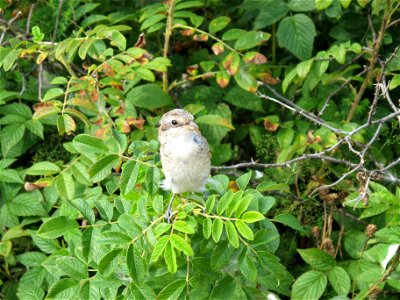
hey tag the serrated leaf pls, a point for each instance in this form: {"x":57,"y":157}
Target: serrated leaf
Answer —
{"x":85,"y":209}
{"x":252,"y":216}
{"x":102,"y":168}
{"x":56,"y":227}
{"x":248,"y":268}
{"x":232,"y":234}
{"x":233,"y":205}
{"x":108,"y":263}
{"x":135,"y":264}
{"x":85,"y":143}
{"x":180,"y":244}
{"x":52,"y":94}
{"x":27,"y":204}
{"x":72,"y":267}
{"x":296,"y":33}
{"x":153,"y":179}
{"x":310,"y":285}
{"x":159,"y":248}
{"x":64,"y":288}
{"x":65,"y":186}
{"x":170,"y":258}
{"x":340,"y":280}
{"x":290,"y":221}
{"x":43,"y":168}
{"x":10,"y":176}
{"x":35,"y":127}
{"x":244,"y":230}
{"x":129,"y":176}
{"x":217,"y":229}
{"x":172,"y":290}
{"x":115,"y":237}
{"x":318,"y":259}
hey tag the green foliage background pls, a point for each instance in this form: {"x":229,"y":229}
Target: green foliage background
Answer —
{"x":308,"y":89}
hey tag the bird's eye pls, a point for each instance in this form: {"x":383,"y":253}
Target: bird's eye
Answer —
{"x":174,"y":122}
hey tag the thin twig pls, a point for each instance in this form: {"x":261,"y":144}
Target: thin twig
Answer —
{"x":167,"y":38}
{"x":8,"y":25}
{"x":53,"y":39}
{"x":28,"y":22}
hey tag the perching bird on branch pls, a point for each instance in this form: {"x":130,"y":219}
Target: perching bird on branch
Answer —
{"x":185,"y":155}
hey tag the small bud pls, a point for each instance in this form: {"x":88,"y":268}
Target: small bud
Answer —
{"x":200,"y":37}
{"x":187,"y":32}
{"x":370,"y":230}
{"x":315,"y":232}
{"x":192,"y":70}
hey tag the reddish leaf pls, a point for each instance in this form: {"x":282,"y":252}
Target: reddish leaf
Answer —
{"x":231,"y":63}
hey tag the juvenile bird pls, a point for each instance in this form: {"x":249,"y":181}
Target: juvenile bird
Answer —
{"x":185,"y":155}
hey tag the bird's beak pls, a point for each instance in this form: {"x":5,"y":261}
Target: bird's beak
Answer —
{"x":192,"y":126}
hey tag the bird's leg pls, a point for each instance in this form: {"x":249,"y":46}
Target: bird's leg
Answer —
{"x":168,"y":213}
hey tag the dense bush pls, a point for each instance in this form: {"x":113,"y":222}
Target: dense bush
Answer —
{"x":298,"y":99}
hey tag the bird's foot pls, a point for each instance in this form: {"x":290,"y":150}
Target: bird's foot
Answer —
{"x":168,"y":214}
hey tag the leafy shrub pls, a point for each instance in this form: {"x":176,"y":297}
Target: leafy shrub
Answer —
{"x":82,"y":212}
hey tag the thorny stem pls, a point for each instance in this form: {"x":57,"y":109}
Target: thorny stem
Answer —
{"x":168,"y":33}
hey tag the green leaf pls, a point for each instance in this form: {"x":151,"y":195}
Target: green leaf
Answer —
{"x":43,"y":168}
{"x":93,"y":19}
{"x":233,"y":205}
{"x":231,"y":63}
{"x":224,"y":202}
{"x":180,"y":244}
{"x":10,"y":58}
{"x":152,"y":20}
{"x":137,"y":291}
{"x":246,"y":81}
{"x":85,"y":209}
{"x":135,"y":264}
{"x":115,"y":237}
{"x":232,"y":234}
{"x":252,"y":216}
{"x":218,"y":24}
{"x":207,"y":225}
{"x":31,"y":259}
{"x":243,"y":99}
{"x":244,"y":180}
{"x":184,"y":227}
{"x":251,"y":39}
{"x":267,"y":16}
{"x":149,"y":96}
{"x":129,"y":176}
{"x":289,"y":220}
{"x":296,"y":33}
{"x":340,"y":280}
{"x":188,"y":4}
{"x":102,"y":168}
{"x":108,"y":263}
{"x":318,"y":259}
{"x":170,"y":258}
{"x":217,"y":229}
{"x":153,"y":179}
{"x":310,"y":285}
{"x":243,"y":205}
{"x":210,"y":204}
{"x":89,"y":290}
{"x":27,"y":204}
{"x":304,"y":68}
{"x":65,"y":186}
{"x":80,"y":172}
{"x":56,"y":227}
{"x":72,"y":267}
{"x":322,"y":4}
{"x":11,"y":135}
{"x":52,"y":94}
{"x":35,"y":127}
{"x":172,"y":291}
{"x":394,"y":82}
{"x":248,"y":268}
{"x":10,"y":176}
{"x":65,"y":288}
{"x":215,"y":120}
{"x":159,"y":248}
{"x":86,"y":144}
{"x":354,"y":243}
{"x":244,"y":230}
{"x":301,"y":6}
{"x":117,"y":39}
